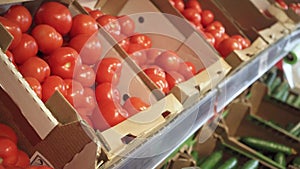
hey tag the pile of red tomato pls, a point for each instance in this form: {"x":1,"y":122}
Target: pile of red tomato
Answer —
{"x":214,"y":31}
{"x":11,"y":157}
{"x":294,"y":6}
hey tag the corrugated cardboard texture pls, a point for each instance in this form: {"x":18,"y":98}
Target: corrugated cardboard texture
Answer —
{"x":6,"y":38}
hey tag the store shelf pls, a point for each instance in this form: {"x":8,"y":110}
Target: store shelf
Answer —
{"x":156,"y":148}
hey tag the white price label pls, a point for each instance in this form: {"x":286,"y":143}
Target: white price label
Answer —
{"x":38,"y":159}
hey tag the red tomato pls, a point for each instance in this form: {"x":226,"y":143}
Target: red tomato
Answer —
{"x":124,"y":43}
{"x":56,"y":15}
{"x":74,"y":92}
{"x":98,"y":121}
{"x":105,"y":93}
{"x":35,"y":85}
{"x":140,"y":57}
{"x":134,"y":47}
{"x":63,"y":62}
{"x":210,"y":38}
{"x":155,"y":70}
{"x":152,"y":54}
{"x":243,"y":41}
{"x":87,"y":9}
{"x":88,"y":100}
{"x":51,"y":84}
{"x":10,"y":57}
{"x":282,"y":4}
{"x":192,"y":15}
{"x":193,"y":4}
{"x":133,"y":105}
{"x":8,"y":132}
{"x":142,"y":40}
{"x":187,"y":69}
{"x":174,"y":78}
{"x":109,"y":70}
{"x":13,"y":167}
{"x":160,"y":82}
{"x":20,"y":15}
{"x":13,"y":29}
{"x":23,"y":159}
{"x":96,"y":13}
{"x":215,"y":25}
{"x":83,"y":24}
{"x":110,"y":24}
{"x":228,"y":45}
{"x":178,"y":4}
{"x":85,"y":75}
{"x":47,"y":38}
{"x":218,"y":36}
{"x":113,"y":113}
{"x":25,"y":49}
{"x":168,"y":61}
{"x":88,"y":46}
{"x":8,"y":151}
{"x":207,"y":17}
{"x":2,"y":167}
{"x":127,"y":25}
{"x":35,"y":67}
{"x":197,"y":26}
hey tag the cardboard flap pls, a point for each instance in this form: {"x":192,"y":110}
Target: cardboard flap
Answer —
{"x":258,"y":92}
{"x":6,"y":38}
{"x":12,"y":1}
{"x":246,"y":14}
{"x":238,"y":111}
{"x":64,"y":111}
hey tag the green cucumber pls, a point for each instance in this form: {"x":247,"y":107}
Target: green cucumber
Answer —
{"x":275,"y":84}
{"x":280,"y":90}
{"x":280,"y":158}
{"x":271,"y":76}
{"x":285,"y":96}
{"x":212,"y":160}
{"x":195,"y":156}
{"x":295,"y":130}
{"x":251,"y":164}
{"x":229,"y":164}
{"x":291,"y":98}
{"x":296,"y":162}
{"x":268,"y":146}
{"x":297,"y":102}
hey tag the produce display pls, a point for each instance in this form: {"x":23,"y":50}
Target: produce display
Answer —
{"x":164,"y":67}
{"x":278,"y":152}
{"x":11,"y":157}
{"x":213,"y":30}
{"x":279,"y":88}
{"x":295,"y":6}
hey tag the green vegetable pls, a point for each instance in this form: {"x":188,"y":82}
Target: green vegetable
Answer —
{"x":268,"y":146}
{"x":289,"y":126}
{"x":212,"y":160}
{"x":275,"y":84}
{"x":291,"y":99}
{"x":295,"y":130}
{"x":271,"y":76}
{"x":285,"y":96}
{"x":297,"y":102}
{"x":229,"y":164}
{"x":296,"y":162}
{"x":251,"y":164}
{"x":280,"y":158}
{"x":280,"y":90}
{"x":195,"y":156}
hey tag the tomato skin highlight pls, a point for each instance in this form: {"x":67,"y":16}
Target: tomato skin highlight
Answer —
{"x":109,"y":70}
{"x":8,"y":151}
{"x":51,"y":84}
{"x":13,"y":29}
{"x":20,"y":15}
{"x":83,"y":24}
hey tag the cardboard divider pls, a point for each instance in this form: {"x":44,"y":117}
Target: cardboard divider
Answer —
{"x":240,"y":124}
{"x":289,"y":12}
{"x":252,"y":21}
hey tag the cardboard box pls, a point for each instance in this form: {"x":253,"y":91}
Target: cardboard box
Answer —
{"x":217,"y":143}
{"x":240,"y":124}
{"x":186,"y":42}
{"x":270,"y":110}
{"x":289,"y":12}
{"x":111,"y":140}
{"x":236,"y":57}
{"x":252,"y":21}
